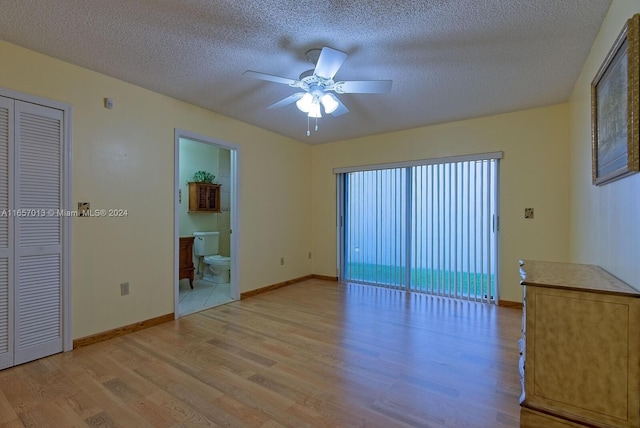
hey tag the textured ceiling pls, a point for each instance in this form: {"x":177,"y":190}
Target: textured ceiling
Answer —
{"x":448,"y":59}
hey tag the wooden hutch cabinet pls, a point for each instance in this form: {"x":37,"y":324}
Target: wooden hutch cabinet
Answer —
{"x":580,"y":348}
{"x":204,"y":197}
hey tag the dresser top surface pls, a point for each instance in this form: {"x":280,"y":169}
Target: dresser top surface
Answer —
{"x":573,"y":277}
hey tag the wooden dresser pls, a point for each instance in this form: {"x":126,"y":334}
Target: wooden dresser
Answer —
{"x":185,"y":261}
{"x":580,"y":347}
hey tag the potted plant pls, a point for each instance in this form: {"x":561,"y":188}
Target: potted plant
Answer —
{"x":203,"y":177}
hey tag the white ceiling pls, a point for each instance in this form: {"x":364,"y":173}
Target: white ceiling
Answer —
{"x":448,"y":59}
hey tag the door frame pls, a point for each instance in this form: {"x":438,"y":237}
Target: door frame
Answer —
{"x":234,"y":209}
{"x":67,"y":164}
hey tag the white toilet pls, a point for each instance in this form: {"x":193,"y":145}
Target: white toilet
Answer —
{"x":217,"y":267}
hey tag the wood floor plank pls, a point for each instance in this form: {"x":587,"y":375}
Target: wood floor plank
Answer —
{"x":252,"y":395}
{"x":312,"y":354}
{"x":113,"y":409}
{"x":14,"y":423}
{"x":7,"y":412}
{"x":181,"y":412}
{"x":54,"y":413}
{"x":17,"y":392}
{"x":101,"y":419}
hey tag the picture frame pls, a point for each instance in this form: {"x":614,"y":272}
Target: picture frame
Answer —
{"x":615,"y":109}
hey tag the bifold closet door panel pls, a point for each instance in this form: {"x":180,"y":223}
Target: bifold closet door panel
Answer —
{"x":38,"y":234}
{"x":6,"y":233}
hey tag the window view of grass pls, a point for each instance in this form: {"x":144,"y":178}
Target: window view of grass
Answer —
{"x":444,"y":282}
{"x":427,"y":228}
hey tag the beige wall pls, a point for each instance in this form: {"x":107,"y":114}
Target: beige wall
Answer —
{"x":605,"y":220}
{"x":533,"y":173}
{"x":124,"y":158}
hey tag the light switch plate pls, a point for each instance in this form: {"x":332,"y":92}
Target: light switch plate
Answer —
{"x":83,"y":209}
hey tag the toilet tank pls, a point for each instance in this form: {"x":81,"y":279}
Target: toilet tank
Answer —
{"x":206,"y":243}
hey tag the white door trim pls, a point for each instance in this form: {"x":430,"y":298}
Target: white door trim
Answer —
{"x":234,"y":209}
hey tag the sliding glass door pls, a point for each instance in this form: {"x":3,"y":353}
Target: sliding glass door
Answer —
{"x":429,"y":227}
{"x":376,"y":225}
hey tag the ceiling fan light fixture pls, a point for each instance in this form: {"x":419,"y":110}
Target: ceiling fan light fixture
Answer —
{"x":304,"y":104}
{"x":329,"y":102}
{"x":314,"y":111}
{"x":316,"y":84}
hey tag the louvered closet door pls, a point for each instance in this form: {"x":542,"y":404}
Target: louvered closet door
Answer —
{"x":38,"y":239}
{"x":6,"y":233}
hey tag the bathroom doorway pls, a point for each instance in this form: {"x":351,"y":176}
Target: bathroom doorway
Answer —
{"x":205,"y":212}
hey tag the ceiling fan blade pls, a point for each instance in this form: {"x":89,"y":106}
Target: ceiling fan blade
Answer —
{"x":269,"y":77}
{"x":342,"y":109}
{"x":363,"y":87}
{"x":329,"y":62}
{"x":286,"y":101}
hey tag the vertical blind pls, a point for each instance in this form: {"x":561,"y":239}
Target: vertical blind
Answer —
{"x":428,"y":227}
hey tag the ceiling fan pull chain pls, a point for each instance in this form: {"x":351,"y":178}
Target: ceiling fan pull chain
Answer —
{"x":308,"y":132}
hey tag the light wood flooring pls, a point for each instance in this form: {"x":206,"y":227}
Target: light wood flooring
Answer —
{"x":312,"y":354}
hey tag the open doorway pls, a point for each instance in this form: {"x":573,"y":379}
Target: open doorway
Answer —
{"x":205,"y":223}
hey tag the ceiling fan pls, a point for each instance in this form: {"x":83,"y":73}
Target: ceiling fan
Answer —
{"x":318,"y":85}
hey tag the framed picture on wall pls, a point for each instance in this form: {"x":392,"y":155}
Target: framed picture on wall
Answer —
{"x":615,"y":108}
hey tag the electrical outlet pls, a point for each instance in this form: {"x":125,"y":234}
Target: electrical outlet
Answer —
{"x":124,"y":288}
{"x":281,"y":261}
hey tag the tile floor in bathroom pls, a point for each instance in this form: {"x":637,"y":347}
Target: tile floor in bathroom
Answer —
{"x":204,"y":295}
